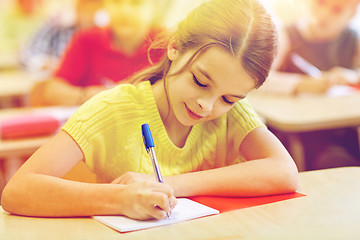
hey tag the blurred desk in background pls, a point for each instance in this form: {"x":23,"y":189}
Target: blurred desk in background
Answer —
{"x":15,"y":87}
{"x":20,"y":146}
{"x":296,"y":114}
{"x":14,"y":151}
{"x":8,"y":61}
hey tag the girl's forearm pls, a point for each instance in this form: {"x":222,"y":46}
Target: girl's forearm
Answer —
{"x":41,"y":195}
{"x":252,"y":178}
{"x":59,"y":92}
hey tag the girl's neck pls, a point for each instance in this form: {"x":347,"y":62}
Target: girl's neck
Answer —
{"x":176,"y":131}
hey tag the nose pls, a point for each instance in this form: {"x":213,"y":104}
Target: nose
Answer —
{"x":206,"y":104}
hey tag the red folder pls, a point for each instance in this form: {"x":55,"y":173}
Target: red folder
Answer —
{"x":356,"y":86}
{"x":224,"y":204}
{"x":28,"y":126}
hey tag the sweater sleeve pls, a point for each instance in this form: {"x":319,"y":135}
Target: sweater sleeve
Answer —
{"x":242,"y":119}
{"x":106,"y":128}
{"x":82,"y":125}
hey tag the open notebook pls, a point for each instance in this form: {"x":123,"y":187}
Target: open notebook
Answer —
{"x":185,"y":209}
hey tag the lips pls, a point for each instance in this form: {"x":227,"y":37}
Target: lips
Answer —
{"x":192,"y":115}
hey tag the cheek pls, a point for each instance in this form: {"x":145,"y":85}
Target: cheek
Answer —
{"x":180,"y":85}
{"x":220,"y":109}
{"x":174,"y":91}
{"x":178,"y":93}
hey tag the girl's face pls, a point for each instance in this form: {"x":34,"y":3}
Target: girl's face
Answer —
{"x":208,"y":88}
{"x":130,"y":17}
{"x":328,"y":18}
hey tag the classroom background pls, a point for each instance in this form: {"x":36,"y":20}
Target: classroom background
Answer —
{"x":18,"y":76}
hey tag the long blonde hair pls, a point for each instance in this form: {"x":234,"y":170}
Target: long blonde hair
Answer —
{"x":241,"y":26}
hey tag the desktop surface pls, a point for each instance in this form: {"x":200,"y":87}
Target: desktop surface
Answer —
{"x":307,"y":113}
{"x":330,"y":210}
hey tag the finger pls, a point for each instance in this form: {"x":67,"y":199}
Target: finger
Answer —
{"x":162,"y":205}
{"x":163,"y":202}
{"x":158,"y":213}
{"x":120,"y":181}
{"x":172,"y":202}
{"x":153,"y":211}
{"x":116,"y":181}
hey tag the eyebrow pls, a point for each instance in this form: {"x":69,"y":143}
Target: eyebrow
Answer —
{"x":208,"y":77}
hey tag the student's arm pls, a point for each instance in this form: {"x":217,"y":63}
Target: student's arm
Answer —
{"x":280,"y":82}
{"x":57,"y":91}
{"x":269,"y":170}
{"x":37,"y":189}
{"x":63,"y":88}
{"x":340,"y":75}
{"x":287,"y":83}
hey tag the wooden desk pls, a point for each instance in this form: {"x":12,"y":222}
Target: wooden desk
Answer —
{"x":19,"y":147}
{"x":15,"y":86}
{"x":307,"y":113}
{"x":294,"y":115}
{"x":8,"y":61}
{"x":329,"y":211}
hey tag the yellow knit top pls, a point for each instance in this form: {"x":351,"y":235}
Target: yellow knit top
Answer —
{"x":107,"y":128}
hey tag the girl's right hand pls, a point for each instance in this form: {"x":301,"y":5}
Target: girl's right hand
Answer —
{"x":147,"y":200}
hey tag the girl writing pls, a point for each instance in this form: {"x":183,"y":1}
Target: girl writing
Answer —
{"x":208,"y":140}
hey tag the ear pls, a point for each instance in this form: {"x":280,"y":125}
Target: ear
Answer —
{"x":172,"y":49}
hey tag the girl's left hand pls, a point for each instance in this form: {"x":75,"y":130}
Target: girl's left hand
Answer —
{"x":133,"y":177}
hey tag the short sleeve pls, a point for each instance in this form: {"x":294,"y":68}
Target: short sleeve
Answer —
{"x":242,"y":119}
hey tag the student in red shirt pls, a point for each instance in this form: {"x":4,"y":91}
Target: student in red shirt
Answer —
{"x":97,"y":58}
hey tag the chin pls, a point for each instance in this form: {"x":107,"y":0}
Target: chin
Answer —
{"x":188,"y":122}
{"x":185,"y":120}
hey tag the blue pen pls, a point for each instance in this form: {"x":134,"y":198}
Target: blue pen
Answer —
{"x":149,"y":145}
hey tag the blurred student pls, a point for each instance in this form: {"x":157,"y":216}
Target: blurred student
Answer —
{"x":18,"y":20}
{"x":98,"y":58}
{"x":323,"y":39}
{"x":208,"y":139}
{"x":48,"y":44}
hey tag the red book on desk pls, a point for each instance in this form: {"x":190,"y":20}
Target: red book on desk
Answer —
{"x":356,"y":86}
{"x":224,"y":204}
{"x":28,"y":126}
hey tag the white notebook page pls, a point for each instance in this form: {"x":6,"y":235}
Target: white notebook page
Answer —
{"x":185,"y":209}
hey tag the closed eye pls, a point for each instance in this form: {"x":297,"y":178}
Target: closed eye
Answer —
{"x":227,"y":101}
{"x":198,"y":83}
